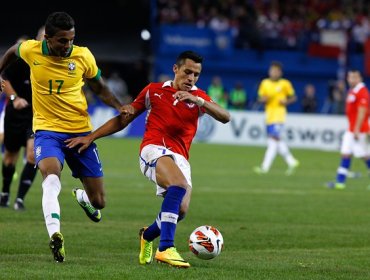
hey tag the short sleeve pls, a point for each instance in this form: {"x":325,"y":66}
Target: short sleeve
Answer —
{"x":92,"y":71}
{"x":289,"y":88}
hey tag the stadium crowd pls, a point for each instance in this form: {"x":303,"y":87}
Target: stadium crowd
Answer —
{"x":266,"y":24}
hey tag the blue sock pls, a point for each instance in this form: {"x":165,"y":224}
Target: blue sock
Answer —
{"x":343,"y":170}
{"x":170,"y":214}
{"x":368,"y":164}
{"x":153,"y":231}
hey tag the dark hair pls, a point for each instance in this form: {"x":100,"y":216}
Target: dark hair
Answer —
{"x":277,"y":64}
{"x":58,"y":21}
{"x":354,"y":70}
{"x":190,"y":55}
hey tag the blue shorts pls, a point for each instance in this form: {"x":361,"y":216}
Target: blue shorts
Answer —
{"x":51,"y":144}
{"x":275,"y":130}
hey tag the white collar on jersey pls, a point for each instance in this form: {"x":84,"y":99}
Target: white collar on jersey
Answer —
{"x":358,"y":87}
{"x":169,"y":84}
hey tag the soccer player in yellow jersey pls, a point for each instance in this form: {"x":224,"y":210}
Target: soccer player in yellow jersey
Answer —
{"x":276,"y":93}
{"x":59,"y":70}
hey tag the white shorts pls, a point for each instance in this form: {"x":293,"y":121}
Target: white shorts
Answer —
{"x":148,"y":161}
{"x":350,"y":146}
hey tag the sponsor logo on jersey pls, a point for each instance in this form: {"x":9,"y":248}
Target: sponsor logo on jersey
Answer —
{"x":159,"y":95}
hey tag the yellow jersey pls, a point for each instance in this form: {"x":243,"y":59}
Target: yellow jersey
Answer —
{"x":275,"y":91}
{"x":59,"y":103}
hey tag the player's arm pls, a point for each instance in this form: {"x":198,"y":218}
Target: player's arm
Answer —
{"x":211,"y":108}
{"x":18,"y":102}
{"x":289,"y":100}
{"x":9,"y":57}
{"x":101,"y":89}
{"x":262,"y":96}
{"x":361,"y":114}
{"x":290,"y":97}
{"x":216,"y":111}
{"x":127,"y":114}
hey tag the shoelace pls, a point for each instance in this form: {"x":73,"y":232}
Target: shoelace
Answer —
{"x":90,"y":208}
{"x":147,"y":249}
{"x":173,"y":253}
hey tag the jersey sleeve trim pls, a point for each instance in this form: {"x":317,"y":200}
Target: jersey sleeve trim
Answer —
{"x":18,"y":52}
{"x":97,"y":76}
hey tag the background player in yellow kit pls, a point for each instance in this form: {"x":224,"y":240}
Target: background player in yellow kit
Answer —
{"x":276,"y":93}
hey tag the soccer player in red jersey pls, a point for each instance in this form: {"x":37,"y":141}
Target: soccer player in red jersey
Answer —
{"x":354,"y":140}
{"x":173,"y":109}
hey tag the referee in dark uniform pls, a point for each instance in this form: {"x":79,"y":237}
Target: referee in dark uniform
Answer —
{"x":17,"y":132}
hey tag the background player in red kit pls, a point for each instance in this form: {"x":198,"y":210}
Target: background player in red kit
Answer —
{"x":355,"y":138}
{"x":173,"y":109}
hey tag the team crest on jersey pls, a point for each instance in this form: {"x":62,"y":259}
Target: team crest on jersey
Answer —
{"x":190,"y":105}
{"x":71,"y":67}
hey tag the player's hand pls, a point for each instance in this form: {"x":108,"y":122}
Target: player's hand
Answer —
{"x":184,"y":96}
{"x":83,"y":142}
{"x":356,"y":136}
{"x":20,"y":103}
{"x":283,"y":102}
{"x":126,"y":111}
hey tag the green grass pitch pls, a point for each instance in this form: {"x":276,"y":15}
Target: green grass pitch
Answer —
{"x":274,"y":226}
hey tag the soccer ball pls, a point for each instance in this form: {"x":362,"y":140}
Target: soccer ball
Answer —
{"x":206,"y":242}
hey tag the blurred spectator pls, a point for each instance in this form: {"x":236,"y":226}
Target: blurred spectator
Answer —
{"x":217,"y":92}
{"x":335,"y":100}
{"x":118,"y":87}
{"x":238,"y":97}
{"x":360,"y":32}
{"x":271,"y":24}
{"x":309,"y":100}
{"x":164,"y":78}
{"x":339,"y":98}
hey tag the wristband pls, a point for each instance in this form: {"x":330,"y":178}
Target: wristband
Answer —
{"x":200,"y":101}
{"x":12,"y":97}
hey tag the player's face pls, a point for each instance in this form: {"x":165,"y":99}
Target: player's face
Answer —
{"x":353,"y":78}
{"x":186,"y":75}
{"x":275,"y":73}
{"x":61,"y":43}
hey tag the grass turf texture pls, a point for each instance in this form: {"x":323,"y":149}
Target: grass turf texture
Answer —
{"x":274,"y":226}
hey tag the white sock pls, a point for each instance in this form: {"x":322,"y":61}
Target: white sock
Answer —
{"x":50,"y":205}
{"x":285,"y":153}
{"x":272,"y":146}
{"x":82,"y":196}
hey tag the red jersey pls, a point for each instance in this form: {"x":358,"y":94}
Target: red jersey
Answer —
{"x":169,"y":124}
{"x":357,"y":97}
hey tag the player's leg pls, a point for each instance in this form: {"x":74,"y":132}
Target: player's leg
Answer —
{"x":28,"y":174}
{"x":284,"y":151}
{"x":2,"y":116}
{"x":271,"y":151}
{"x":170,"y":177}
{"x":88,"y":168}
{"x":347,"y":148}
{"x":13,"y":142}
{"x":8,"y":169}
{"x":49,"y":159}
{"x":50,"y":169}
{"x":363,"y":151}
{"x":92,"y":197}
